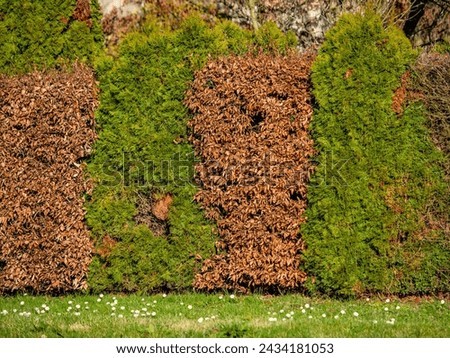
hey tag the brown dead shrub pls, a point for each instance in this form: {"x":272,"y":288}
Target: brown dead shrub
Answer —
{"x":47,"y":124}
{"x":250,"y":129}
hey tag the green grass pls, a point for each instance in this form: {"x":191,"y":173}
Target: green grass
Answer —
{"x":219,"y":315}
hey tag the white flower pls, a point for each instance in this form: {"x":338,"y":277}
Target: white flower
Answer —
{"x":86,"y":308}
{"x":200,"y":320}
{"x":113,"y":314}
{"x":4,"y":312}
{"x":307,"y":305}
{"x":182,"y":303}
{"x":220,"y":297}
{"x":122,"y":308}
{"x":336,"y":317}
{"x":114,"y":298}
{"x":86,"y":303}
{"x":76,"y":313}
{"x":356,"y":314}
{"x":108,"y":303}
{"x":272,"y":319}
{"x":284,"y":319}
{"x":367,"y":299}
{"x":153,"y":314}
{"x":309,"y":317}
{"x":101,"y":295}
{"x":136,"y":315}
{"x":47,"y":308}
{"x":144,"y":309}
{"x":70,"y":302}
{"x":232,"y":296}
{"x":386,"y":309}
{"x":442,"y":302}
{"x":388,"y":300}
{"x":189,"y":307}
{"x":397,"y":308}
{"x":213,"y":317}
{"x":22,"y":303}
{"x":42,"y":312}
{"x":113,"y":308}
{"x":292,"y":313}
{"x":164,"y":295}
{"x":14,"y":310}
{"x":303,"y":310}
{"x":375,"y":321}
{"x":120,"y":316}
{"x":99,"y":300}
{"x":281,"y":311}
{"x":288,"y":315}
{"x":155,"y":301}
{"x":77,"y":306}
{"x":206,"y":318}
{"x":324,"y":315}
{"x":342,"y":312}
{"x":390,"y":322}
{"x":68,"y":309}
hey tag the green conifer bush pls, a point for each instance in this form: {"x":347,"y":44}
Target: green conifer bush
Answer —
{"x":378,"y":181}
{"x":149,"y":233}
{"x":42,"y":34}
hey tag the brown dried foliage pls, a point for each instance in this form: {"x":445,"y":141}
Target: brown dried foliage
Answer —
{"x":400,"y":94}
{"x":82,"y":12}
{"x":47,"y":124}
{"x":250,"y":129}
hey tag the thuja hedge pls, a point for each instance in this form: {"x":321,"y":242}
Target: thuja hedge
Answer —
{"x":45,"y":33}
{"x":142,"y":155}
{"x":378,"y":186}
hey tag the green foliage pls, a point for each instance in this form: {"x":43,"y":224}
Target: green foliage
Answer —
{"x":142,"y":151}
{"x":378,"y":176}
{"x":39,"y":34}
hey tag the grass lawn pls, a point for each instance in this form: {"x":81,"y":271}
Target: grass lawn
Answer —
{"x":220,"y":315}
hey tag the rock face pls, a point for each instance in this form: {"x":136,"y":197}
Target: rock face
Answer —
{"x":124,"y":7}
{"x":425,"y":22}
{"x":311,"y":19}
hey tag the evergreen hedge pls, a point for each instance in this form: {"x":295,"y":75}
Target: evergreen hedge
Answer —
{"x":378,"y":185}
{"x":142,"y":155}
{"x":45,"y":33}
